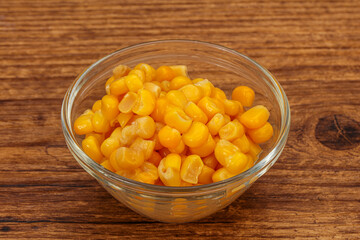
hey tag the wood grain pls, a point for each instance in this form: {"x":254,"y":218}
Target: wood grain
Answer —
{"x":312,"y":47}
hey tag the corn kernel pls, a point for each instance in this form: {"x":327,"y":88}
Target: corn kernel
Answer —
{"x":149,"y":174}
{"x":109,"y":107}
{"x":155,"y":137}
{"x":196,"y":136}
{"x":206,"y":174}
{"x":165,"y":86}
{"x":223,"y":150}
{"x":133,"y":119}
{"x":231,"y":131}
{"x":153,"y":88}
{"x":206,"y":149}
{"x":210,"y":106}
{"x":128,"y":102}
{"x":118,"y":87}
{"x":120,"y":71}
{"x":216,"y":123}
{"x":193,"y":111}
{"x":140,"y":73}
{"x":176,"y":118}
{"x":145,"y":103}
{"x":126,"y":158}
{"x":262,"y":134}
{"x":155,"y":158}
{"x":100,"y":123}
{"x":206,"y":86}
{"x":218,"y":94}
{"x":133,"y":82}
{"x":191,"y":169}
{"x":96,"y":106}
{"x":91,"y":147}
{"x":179,"y":149}
{"x":160,"y":109}
{"x":221,"y":174}
{"x":169,"y":137}
{"x":176,"y":98}
{"x":169,"y":170}
{"x":173,"y":160}
{"x":128,"y":173}
{"x":242,"y":143}
{"x":116,"y":133}
{"x":144,"y":146}
{"x":128,"y":135}
{"x":123,"y":118}
{"x":179,"y":82}
{"x":83,"y":124}
{"x":99,"y":136}
{"x":250,"y":163}
{"x":88,"y":112}
{"x":149,"y":71}
{"x":164,"y":73}
{"x":232,"y":108}
{"x":192,"y":93}
{"x":145,"y":127}
{"x":210,"y":161}
{"x":180,"y":70}
{"x":109,"y":146}
{"x":254,"y":149}
{"x":106,"y":164}
{"x":244,"y":95}
{"x":236,"y":163}
{"x":196,"y":80}
{"x":255,"y":117}
{"x":107,"y":85}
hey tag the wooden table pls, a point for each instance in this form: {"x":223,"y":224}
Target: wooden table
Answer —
{"x":313,"y":48}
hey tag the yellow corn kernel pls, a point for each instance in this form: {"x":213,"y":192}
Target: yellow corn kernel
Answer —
{"x":206,"y":86}
{"x":128,"y":135}
{"x":193,"y":111}
{"x":165,"y":86}
{"x":123,"y":118}
{"x":169,"y":170}
{"x":262,"y":134}
{"x":196,"y":136}
{"x":236,"y":163}
{"x":221,"y":174}
{"x":192,"y":93}
{"x":180,"y":70}
{"x":218,"y":94}
{"x":179,"y":82}
{"x":116,"y":133}
{"x":210,"y":106}
{"x":133,"y":82}
{"x":160,"y":109}
{"x":206,"y":149}
{"x":196,"y":80}
{"x":242,"y":143}
{"x":144,"y":146}
{"x":145,"y":103}
{"x":126,"y":158}
{"x":128,"y":102}
{"x":96,"y":106}
{"x":255,"y":117}
{"x":250,"y":163}
{"x":83,"y":124}
{"x":155,"y":137}
{"x":216,"y":123}
{"x":176,"y":98}
{"x":100,"y":123}
{"x":91,"y":147}
{"x":149,"y":173}
{"x":109,"y":107}
{"x":109,"y":146}
{"x":223,"y":150}
{"x":120,"y":71}
{"x":99,"y":136}
{"x":145,"y":177}
{"x":176,"y":118}
{"x":155,"y":158}
{"x":179,"y":149}
{"x":244,"y":95}
{"x":191,"y":169}
{"x":153,"y":88}
{"x":210,"y":161}
{"x":149,"y":71}
{"x":118,"y":87}
{"x":232,"y":108}
{"x":231,"y":131}
{"x":106,"y":164}
{"x":216,"y":139}
{"x":164,"y":73}
{"x":107,"y":85}
{"x":133,"y":119}
{"x":163,"y":93}
{"x":169,"y":137}
{"x":254,"y":149}
{"x":128,"y":173}
{"x":145,"y":127}
{"x":206,"y":174}
{"x":140,"y":73}
{"x":184,"y":184}
{"x":227,"y":119}
{"x":88,"y":112}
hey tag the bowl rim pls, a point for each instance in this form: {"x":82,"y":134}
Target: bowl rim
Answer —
{"x":72,"y":143}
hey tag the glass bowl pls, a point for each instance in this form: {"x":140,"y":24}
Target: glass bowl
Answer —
{"x":226,"y":69}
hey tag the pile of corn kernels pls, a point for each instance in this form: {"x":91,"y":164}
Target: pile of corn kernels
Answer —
{"x":160,"y":127}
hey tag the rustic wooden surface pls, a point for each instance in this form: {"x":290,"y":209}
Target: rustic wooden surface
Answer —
{"x":312,"y":47}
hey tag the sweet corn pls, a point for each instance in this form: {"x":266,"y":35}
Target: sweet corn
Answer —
{"x":118,"y":87}
{"x":242,"y":143}
{"x":116,"y":133}
{"x":232,"y":108}
{"x":91,"y":147}
{"x":96,"y":106}
{"x":109,"y":145}
{"x":176,"y":98}
{"x":206,"y":149}
{"x":155,"y":137}
{"x":255,"y":117}
{"x":218,"y":94}
{"x":160,"y":109}
{"x":169,"y":137}
{"x":206,"y":174}
{"x":223,"y":150}
{"x":192,"y":93}
{"x":120,"y":71}
{"x":176,"y":118}
{"x":210,"y":161}
{"x":128,"y":102}
{"x":106,"y":164}
{"x":144,"y":146}
{"x":196,"y":136}
{"x":145,"y":103}
{"x":109,"y":107}
{"x":140,"y":73}
{"x":149,"y":173}
{"x":194,"y":112}
{"x":173,"y":160}
{"x":133,"y":82}
{"x":216,"y":123}
{"x":126,"y":158}
{"x":123,"y":118}
{"x":155,"y":158}
{"x":191,"y":169}
{"x":231,"y":131}
{"x":107,"y":85}
{"x":164,"y":73}
{"x":254,"y":149}
{"x":83,"y":124}
{"x":153,"y":88}
{"x":128,"y":135}
{"x":165,"y":86}
{"x":169,"y":170}
{"x":180,"y":70}
{"x":206,"y":86}
{"x":262,"y":134}
{"x":196,"y":80}
{"x":236,"y":163}
{"x":221,"y":174}
{"x":100,"y":123}
{"x":128,"y":173}
{"x":145,"y":127}
{"x":244,"y":95}
{"x":250,"y":163}
{"x":99,"y":136}
{"x":179,"y":82}
{"x":179,"y":148}
{"x":149,"y":71}
{"x":210,"y":106}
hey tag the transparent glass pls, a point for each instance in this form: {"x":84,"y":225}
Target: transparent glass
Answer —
{"x":225,"y":68}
